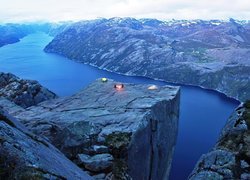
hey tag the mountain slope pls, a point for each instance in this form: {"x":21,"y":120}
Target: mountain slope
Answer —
{"x":12,"y":33}
{"x":213,"y":54}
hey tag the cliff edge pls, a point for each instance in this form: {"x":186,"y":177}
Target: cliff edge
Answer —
{"x":211,"y":54}
{"x":127,"y":131}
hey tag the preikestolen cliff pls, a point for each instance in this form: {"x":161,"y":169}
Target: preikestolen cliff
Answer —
{"x":124,"y":98}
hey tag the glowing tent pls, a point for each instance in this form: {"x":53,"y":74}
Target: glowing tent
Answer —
{"x":104,"y":80}
{"x":152,"y":87}
{"x":119,"y":86}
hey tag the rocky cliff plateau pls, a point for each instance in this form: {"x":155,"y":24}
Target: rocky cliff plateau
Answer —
{"x":212,"y":54}
{"x":110,"y":133}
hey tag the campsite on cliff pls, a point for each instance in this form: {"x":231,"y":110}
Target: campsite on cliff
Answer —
{"x":124,"y":90}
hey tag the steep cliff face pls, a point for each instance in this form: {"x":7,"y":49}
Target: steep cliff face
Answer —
{"x":24,"y":93}
{"x":113,"y":133}
{"x":230,"y":158}
{"x":212,"y":54}
{"x":24,"y":155}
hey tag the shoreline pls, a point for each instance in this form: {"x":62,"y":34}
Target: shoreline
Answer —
{"x":151,"y":78}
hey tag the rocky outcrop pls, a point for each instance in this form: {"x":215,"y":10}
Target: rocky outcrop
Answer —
{"x":114,"y":133}
{"x":24,"y":155}
{"x":230,"y":158}
{"x":24,"y":93}
{"x":211,"y":54}
{"x":96,"y":163}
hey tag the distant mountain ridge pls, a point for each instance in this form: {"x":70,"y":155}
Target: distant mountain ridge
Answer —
{"x":12,"y":33}
{"x":213,"y":54}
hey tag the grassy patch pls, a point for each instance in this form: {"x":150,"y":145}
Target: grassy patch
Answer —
{"x":118,"y":140}
{"x":118,"y":143}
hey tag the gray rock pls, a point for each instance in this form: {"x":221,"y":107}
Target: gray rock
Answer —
{"x":229,"y":157}
{"x":244,"y":164}
{"x":96,"y":163}
{"x":219,"y":161}
{"x":26,"y":156}
{"x":205,"y":175}
{"x":24,"y":93}
{"x":99,"y":149}
{"x":99,"y":176}
{"x":139,"y":126}
{"x":245,"y":176}
{"x":219,"y":158}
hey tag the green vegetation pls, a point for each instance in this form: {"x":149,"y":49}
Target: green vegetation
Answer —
{"x":118,"y":140}
{"x":30,"y":174}
{"x":247,"y":104}
{"x":119,"y":169}
{"x":118,"y":143}
{"x":6,"y":167}
{"x":200,"y":53}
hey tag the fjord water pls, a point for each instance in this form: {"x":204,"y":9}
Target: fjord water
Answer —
{"x":203,"y":113}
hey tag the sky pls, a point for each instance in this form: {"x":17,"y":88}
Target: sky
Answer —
{"x":64,"y":10}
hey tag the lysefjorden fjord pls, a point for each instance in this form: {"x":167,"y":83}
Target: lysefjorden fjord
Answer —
{"x":203,"y":113}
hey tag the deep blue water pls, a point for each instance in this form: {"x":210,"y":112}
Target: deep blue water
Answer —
{"x":203,"y":113}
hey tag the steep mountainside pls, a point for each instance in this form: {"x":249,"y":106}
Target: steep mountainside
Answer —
{"x":213,"y":54}
{"x":230,"y":158}
{"x":12,"y":33}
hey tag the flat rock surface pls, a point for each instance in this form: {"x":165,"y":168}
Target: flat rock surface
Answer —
{"x":131,"y":122}
{"x":101,"y":107}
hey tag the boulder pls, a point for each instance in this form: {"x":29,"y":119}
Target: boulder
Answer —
{"x":96,"y":163}
{"x":99,"y":176}
{"x":137,"y":125}
{"x":24,"y":93}
{"x":99,"y":149}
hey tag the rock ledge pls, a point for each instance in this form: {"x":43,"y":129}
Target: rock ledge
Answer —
{"x":134,"y":128}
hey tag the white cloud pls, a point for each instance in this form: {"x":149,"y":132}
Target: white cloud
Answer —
{"x":57,"y":10}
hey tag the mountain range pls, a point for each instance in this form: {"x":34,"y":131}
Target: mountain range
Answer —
{"x":212,"y":54}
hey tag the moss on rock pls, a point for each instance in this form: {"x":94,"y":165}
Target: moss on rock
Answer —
{"x":118,"y":143}
{"x":118,"y":140}
{"x":247,"y":104}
